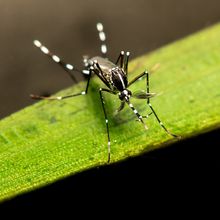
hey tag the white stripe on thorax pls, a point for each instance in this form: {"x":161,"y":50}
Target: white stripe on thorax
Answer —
{"x":121,"y":80}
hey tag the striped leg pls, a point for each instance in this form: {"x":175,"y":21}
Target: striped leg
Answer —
{"x":102,"y":38}
{"x":147,"y":116}
{"x":65,"y":97}
{"x":126,"y":62}
{"x":123,"y":59}
{"x":120,"y":59}
{"x":140,"y":117}
{"x":106,"y":119}
{"x":69,"y":68}
{"x":145,"y":73}
{"x":136,"y":78}
{"x":153,"y":111}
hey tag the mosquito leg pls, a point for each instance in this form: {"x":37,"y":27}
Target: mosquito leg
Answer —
{"x":67,"y":96}
{"x":102,"y":38}
{"x":147,"y":116}
{"x":120,"y":59}
{"x":140,"y":117}
{"x":145,"y":73}
{"x":98,"y":70}
{"x":106,"y":119}
{"x":126,"y":62}
{"x":153,"y":111}
{"x":147,"y":86}
{"x":161,"y":124}
{"x":123,"y":59}
{"x":69,"y":68}
{"x":136,"y":78}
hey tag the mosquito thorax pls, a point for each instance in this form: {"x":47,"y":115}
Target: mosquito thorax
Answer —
{"x":124,"y":95}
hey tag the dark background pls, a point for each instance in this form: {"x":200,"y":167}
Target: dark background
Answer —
{"x":186,"y":171}
{"x":67,"y":27}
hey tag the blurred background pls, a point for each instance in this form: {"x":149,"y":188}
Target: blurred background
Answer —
{"x":67,"y":28}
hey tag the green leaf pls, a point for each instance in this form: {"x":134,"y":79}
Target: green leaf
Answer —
{"x":53,"y":139}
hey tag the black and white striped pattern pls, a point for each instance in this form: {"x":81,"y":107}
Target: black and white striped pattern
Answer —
{"x":123,"y":58}
{"x":113,"y":75}
{"x":102,"y":38}
{"x":145,"y":73}
{"x":69,"y":68}
{"x":140,"y":117}
{"x":54,"y":57}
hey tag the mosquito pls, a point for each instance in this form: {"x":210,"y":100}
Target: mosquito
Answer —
{"x":114,"y":77}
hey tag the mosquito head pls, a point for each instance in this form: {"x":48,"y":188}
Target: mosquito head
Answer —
{"x":125,"y":95}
